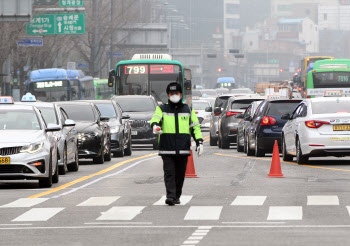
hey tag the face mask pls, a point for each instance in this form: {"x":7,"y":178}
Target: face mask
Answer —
{"x":175,"y":98}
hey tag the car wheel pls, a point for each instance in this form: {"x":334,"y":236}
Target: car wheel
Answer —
{"x":56,"y":177}
{"x":213,"y":141}
{"x":285,"y":156}
{"x":219,"y":142}
{"x":73,"y":167}
{"x":128,"y":150}
{"x":250,"y":152}
{"x":47,"y":181}
{"x":258,"y":152}
{"x":225,"y":143}
{"x":63,"y":169}
{"x":120,"y":153}
{"x":240,"y":148}
{"x":100,"y":159}
{"x":301,"y":159}
{"x":108,"y":155}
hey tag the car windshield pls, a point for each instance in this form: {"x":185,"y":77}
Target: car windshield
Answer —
{"x":282,"y":107}
{"x":241,"y":104}
{"x":327,"y":107}
{"x":212,"y":93}
{"x":200,"y":105}
{"x":49,"y":115}
{"x":19,"y":120}
{"x":136,"y":104}
{"x":221,"y":102}
{"x":78,"y":112}
{"x":107,"y":110}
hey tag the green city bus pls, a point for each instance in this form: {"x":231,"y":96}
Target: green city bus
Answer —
{"x":329,"y":78}
{"x":149,"y":74}
{"x":103,"y":91}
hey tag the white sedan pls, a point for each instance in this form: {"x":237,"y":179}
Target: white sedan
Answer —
{"x":317,"y":127}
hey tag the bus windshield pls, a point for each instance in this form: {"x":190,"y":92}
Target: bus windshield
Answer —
{"x":50,"y":91}
{"x":148,"y":79}
{"x":331,"y":79}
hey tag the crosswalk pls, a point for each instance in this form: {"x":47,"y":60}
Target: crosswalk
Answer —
{"x":109,"y":208}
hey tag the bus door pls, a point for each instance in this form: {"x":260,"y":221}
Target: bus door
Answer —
{"x":76,"y":89}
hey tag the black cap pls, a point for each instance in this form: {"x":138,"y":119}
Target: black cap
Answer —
{"x":173,"y":87}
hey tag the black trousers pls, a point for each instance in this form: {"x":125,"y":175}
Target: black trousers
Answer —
{"x":174,"y":175}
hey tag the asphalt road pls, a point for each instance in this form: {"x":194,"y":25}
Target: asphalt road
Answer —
{"x":232,"y":202}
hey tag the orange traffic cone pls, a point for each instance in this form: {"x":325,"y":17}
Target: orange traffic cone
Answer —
{"x":190,"y":171}
{"x":275,"y":171}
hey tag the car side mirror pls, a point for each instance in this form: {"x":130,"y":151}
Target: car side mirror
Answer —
{"x":104,"y":118}
{"x":217,"y":110}
{"x":248,"y":118}
{"x":69,"y":122}
{"x":53,"y":128}
{"x":208,"y":109}
{"x":125,"y":116}
{"x":239,"y":116}
{"x":285,"y":117}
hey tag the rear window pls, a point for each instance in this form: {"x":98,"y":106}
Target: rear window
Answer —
{"x":221,"y":102}
{"x":241,"y":104}
{"x":328,"y":107}
{"x":282,"y":107}
{"x":78,"y":112}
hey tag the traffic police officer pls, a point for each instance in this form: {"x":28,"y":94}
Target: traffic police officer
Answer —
{"x":175,"y":122}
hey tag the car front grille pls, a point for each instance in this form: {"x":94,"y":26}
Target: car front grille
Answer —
{"x":138,"y":123}
{"x":14,"y":169}
{"x":10,"y":151}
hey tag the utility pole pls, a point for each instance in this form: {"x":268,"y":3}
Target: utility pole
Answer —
{"x":110,"y":62}
{"x":96,"y":39}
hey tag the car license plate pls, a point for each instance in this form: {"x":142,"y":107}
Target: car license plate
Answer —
{"x":4,"y":160}
{"x":134,"y":133}
{"x":341,"y":127}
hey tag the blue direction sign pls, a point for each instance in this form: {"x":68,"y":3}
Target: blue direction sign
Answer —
{"x":30,"y":42}
{"x":83,"y":65}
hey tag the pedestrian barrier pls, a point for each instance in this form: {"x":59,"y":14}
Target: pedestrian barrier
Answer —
{"x":190,"y":171}
{"x":275,"y":170}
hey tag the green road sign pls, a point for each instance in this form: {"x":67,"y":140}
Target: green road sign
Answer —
{"x":71,"y":3}
{"x":271,"y":61}
{"x":57,"y":24}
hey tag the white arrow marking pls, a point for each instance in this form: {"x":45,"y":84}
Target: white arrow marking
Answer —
{"x":59,"y":27}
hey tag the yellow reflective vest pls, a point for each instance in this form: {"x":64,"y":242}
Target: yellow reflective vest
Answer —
{"x":178,"y":123}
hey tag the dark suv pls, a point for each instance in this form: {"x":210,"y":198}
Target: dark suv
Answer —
{"x":140,"y":109}
{"x":266,"y":125}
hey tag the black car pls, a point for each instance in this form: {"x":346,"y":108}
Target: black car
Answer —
{"x":119,"y":125}
{"x":266,"y":125}
{"x":140,"y":109}
{"x":93,"y":131}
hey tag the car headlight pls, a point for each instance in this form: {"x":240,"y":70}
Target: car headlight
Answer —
{"x":115,"y":129}
{"x":32,"y":148}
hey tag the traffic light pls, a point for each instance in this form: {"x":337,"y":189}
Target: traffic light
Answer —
{"x":219,"y":70}
{"x":298,"y":70}
{"x":281,"y":70}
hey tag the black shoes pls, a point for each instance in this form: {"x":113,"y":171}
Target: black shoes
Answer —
{"x":170,"y":201}
{"x":177,"y":201}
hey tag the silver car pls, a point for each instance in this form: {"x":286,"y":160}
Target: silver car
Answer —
{"x":28,"y":146}
{"x":67,"y":138}
{"x":199,"y":107}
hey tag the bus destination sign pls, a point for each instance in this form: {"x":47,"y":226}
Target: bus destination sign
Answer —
{"x":159,"y":69}
{"x":48,"y":84}
{"x":136,"y":69}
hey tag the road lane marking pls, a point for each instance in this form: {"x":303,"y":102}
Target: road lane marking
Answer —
{"x":267,"y":223}
{"x":322,"y":200}
{"x":203,"y":213}
{"x":24,"y":203}
{"x":249,"y":201}
{"x":103,"y":177}
{"x":121,"y":213}
{"x":285,"y":213}
{"x":38,"y":214}
{"x":184,"y":200}
{"x":293,"y":163}
{"x":99,"y":201}
{"x":87,"y":177}
{"x":16,"y":224}
{"x":119,"y":223}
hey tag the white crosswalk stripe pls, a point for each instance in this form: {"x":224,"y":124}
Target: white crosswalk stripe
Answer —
{"x":285,"y":213}
{"x":184,"y":200}
{"x":99,"y":201}
{"x":249,"y":201}
{"x":121,"y":213}
{"x":38,"y":214}
{"x":322,"y":200}
{"x":25,"y":203}
{"x":203,"y":213}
